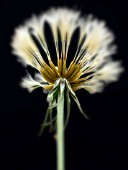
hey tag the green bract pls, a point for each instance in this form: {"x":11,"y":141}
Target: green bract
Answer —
{"x":60,"y":88}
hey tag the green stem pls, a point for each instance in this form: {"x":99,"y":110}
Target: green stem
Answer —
{"x":60,"y":135}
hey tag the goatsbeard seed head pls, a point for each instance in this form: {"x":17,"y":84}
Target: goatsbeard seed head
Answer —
{"x":91,"y":67}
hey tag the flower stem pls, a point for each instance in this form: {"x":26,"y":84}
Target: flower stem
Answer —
{"x":60,"y":135}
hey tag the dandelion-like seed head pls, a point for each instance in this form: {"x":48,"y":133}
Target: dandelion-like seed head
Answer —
{"x":91,"y":67}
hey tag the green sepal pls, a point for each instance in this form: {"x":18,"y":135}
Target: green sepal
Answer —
{"x":54,"y":98}
{"x":76,"y":99}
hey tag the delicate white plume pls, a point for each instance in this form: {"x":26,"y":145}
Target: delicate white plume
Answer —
{"x":31,"y":84}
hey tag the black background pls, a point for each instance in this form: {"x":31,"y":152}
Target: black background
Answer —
{"x":100,"y":143}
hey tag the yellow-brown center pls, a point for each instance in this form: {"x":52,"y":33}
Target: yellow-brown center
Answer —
{"x":72,"y":74}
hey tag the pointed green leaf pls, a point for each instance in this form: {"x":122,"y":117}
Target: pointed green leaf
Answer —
{"x":44,"y":122}
{"x":68,"y":107}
